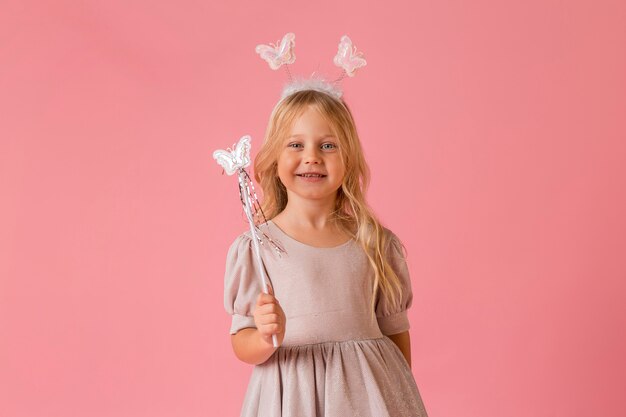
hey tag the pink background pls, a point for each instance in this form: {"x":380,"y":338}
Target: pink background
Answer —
{"x":496,"y":136}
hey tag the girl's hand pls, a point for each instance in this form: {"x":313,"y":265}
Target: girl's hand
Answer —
{"x":269,"y":317}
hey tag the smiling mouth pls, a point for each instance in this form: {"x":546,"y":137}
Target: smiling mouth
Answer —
{"x":311,"y":175}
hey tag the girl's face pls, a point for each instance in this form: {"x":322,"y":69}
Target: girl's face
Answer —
{"x":311,"y":148}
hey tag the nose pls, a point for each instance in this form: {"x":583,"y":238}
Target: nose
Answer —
{"x":311,"y":157}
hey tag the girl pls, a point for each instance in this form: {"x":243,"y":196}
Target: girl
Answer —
{"x":338,"y":295}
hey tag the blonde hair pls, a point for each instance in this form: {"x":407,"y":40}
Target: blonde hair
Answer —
{"x":352,"y":213}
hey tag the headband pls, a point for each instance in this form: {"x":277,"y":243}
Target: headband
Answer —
{"x":281,"y":53}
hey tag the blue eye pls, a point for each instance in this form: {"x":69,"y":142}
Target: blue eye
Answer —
{"x":332,"y":145}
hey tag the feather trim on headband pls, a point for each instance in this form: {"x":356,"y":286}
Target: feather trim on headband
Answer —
{"x":315,"y":82}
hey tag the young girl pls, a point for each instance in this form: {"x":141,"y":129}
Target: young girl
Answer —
{"x":338,"y":295}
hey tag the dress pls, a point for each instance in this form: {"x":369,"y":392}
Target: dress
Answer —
{"x":334,"y":361}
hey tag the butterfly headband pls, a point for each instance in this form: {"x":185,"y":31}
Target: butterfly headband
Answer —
{"x":281,"y":53}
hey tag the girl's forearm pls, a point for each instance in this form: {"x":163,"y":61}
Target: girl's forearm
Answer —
{"x":250,"y":347}
{"x":403,"y":341}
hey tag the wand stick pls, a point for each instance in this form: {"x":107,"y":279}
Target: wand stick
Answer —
{"x":236,"y":161}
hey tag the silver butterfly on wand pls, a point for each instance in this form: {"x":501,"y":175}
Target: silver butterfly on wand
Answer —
{"x":235,"y":160}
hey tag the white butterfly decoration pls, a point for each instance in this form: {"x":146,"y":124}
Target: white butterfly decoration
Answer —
{"x":347,"y":57}
{"x":279,"y":54}
{"x":236,"y":159}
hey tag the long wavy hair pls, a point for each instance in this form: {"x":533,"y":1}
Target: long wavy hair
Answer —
{"x":351,"y":213}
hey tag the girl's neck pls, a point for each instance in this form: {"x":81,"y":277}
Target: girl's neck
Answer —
{"x":308,"y":214}
{"x":304,"y":219}
{"x":317,"y":231}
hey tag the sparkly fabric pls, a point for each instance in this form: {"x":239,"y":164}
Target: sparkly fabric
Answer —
{"x":334,"y":360}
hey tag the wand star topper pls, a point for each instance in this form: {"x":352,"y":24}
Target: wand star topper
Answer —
{"x":236,"y":160}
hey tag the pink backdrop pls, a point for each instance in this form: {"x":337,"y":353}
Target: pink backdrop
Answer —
{"x":495,"y":132}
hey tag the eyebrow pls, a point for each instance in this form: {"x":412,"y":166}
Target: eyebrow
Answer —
{"x":297,"y":135}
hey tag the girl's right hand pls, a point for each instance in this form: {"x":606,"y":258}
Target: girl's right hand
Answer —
{"x":269,"y":317}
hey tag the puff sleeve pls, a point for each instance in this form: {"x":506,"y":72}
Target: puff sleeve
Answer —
{"x":242,"y":283}
{"x":392,"y":318}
